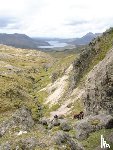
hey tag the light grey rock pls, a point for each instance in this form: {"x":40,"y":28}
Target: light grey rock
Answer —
{"x":98,"y":96}
{"x":23,"y":144}
{"x":98,"y":84}
{"x":92,"y":124}
{"x":5,"y":126}
{"x":5,"y":146}
{"x":23,"y":118}
{"x":63,"y":138}
{"x":28,"y":144}
{"x":65,"y":126}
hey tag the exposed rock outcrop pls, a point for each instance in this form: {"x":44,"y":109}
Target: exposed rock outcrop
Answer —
{"x":23,"y":118}
{"x":95,"y":51}
{"x":28,"y":144}
{"x":63,"y":138}
{"x":4,"y":126}
{"x":92,"y":124}
{"x":55,"y":122}
{"x":65,"y":126}
{"x":24,"y":144}
{"x":5,"y":146}
{"x":98,"y":95}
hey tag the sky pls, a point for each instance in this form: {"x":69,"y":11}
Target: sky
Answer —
{"x":55,"y":18}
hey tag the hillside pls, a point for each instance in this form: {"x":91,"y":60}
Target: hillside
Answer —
{"x":20,"y":41}
{"x":37,"y":86}
{"x":86,"y":39}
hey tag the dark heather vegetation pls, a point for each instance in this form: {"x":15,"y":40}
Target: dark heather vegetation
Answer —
{"x":40,"y":93}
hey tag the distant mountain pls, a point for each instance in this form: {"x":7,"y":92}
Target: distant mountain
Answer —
{"x":41,"y":41}
{"x":20,"y":41}
{"x":86,"y":39}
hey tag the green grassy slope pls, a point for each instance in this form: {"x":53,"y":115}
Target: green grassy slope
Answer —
{"x":92,"y":54}
{"x":23,"y":73}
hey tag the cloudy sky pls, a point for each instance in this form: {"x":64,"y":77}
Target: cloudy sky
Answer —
{"x":55,"y":18}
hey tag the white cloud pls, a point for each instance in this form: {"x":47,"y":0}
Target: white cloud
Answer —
{"x":57,"y":18}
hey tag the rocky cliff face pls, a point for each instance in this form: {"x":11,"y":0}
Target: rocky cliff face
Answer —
{"x":95,"y":67}
{"x":92,"y":55}
{"x":99,"y":87}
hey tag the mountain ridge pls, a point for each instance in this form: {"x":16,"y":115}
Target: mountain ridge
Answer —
{"x":84,"y":40}
{"x":20,"y":41}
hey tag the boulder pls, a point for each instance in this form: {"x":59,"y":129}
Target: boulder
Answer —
{"x":62,"y":138}
{"x":23,"y":118}
{"x":4,"y":126}
{"x":65,"y":126}
{"x":28,"y":144}
{"x":23,"y":144}
{"x":5,"y":146}
{"x":91,"y":124}
{"x":55,"y":122}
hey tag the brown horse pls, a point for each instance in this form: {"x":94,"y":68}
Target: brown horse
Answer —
{"x":79,"y":116}
{"x":76,"y":116}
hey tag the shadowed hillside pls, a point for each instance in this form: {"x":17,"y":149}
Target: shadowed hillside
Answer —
{"x":20,"y":41}
{"x":86,"y":39}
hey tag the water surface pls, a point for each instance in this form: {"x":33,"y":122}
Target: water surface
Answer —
{"x":54,"y":44}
